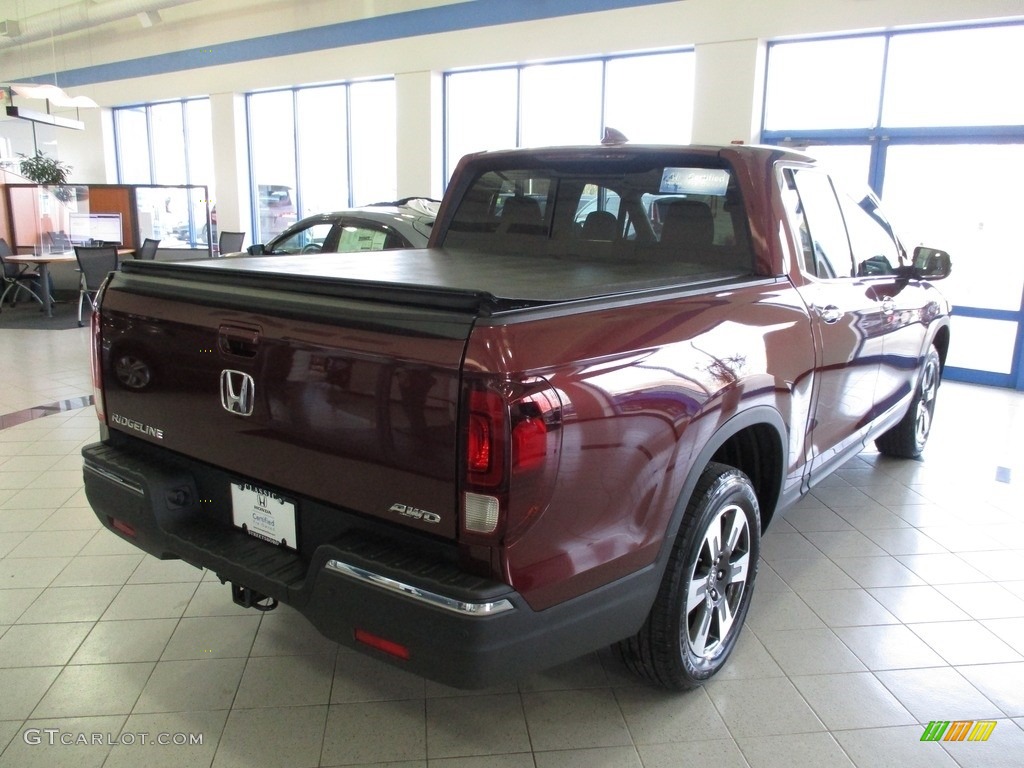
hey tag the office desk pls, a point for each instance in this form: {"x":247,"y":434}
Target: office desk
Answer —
{"x":43,"y":261}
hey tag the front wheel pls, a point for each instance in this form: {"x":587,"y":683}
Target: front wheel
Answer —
{"x":908,"y":438}
{"x":705,"y":592}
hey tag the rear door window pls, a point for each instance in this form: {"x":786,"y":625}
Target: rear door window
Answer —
{"x":308,"y":240}
{"x":367,"y":236}
{"x":875,"y":251}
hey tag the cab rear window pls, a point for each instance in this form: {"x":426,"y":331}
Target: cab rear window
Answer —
{"x":685,"y":212}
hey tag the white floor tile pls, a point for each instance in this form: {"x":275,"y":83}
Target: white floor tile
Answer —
{"x":892,"y":596}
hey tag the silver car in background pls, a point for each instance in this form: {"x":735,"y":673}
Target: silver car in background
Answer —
{"x":379,"y":227}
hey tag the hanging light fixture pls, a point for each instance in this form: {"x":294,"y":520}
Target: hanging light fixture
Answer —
{"x":53,"y":94}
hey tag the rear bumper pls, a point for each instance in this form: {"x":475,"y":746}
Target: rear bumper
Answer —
{"x":455,"y":628}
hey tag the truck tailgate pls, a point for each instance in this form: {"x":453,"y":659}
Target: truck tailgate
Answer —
{"x":347,"y":401}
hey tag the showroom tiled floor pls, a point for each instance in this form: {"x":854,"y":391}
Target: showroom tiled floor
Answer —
{"x":892,"y":597}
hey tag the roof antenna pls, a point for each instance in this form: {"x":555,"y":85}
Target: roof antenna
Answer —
{"x":613,"y":136}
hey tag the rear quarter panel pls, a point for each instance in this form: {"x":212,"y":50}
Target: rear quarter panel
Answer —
{"x":649,"y":384}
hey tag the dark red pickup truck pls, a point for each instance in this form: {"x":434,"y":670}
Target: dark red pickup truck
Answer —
{"x":563,"y":425}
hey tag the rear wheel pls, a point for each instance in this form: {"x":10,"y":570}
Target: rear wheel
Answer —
{"x":705,"y":592}
{"x":908,"y":438}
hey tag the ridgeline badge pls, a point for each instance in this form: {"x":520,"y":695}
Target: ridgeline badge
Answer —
{"x":138,"y":426}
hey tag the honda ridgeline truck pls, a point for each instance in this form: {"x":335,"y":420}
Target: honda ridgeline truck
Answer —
{"x":563,"y":425}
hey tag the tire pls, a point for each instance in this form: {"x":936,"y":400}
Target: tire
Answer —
{"x":908,"y":438}
{"x":705,"y":592}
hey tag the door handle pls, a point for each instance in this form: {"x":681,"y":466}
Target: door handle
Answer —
{"x":888,"y":305}
{"x":830,"y":314}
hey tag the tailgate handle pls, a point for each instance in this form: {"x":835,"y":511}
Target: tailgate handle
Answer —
{"x":238,"y":342}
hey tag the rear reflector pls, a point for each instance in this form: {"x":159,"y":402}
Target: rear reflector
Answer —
{"x":387,"y":646}
{"x":122,"y":527}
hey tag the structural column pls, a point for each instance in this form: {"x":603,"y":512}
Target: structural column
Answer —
{"x":231,"y":164}
{"x":729,"y":98}
{"x":420,"y":134}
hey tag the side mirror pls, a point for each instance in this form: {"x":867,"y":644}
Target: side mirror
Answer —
{"x":256,"y":249}
{"x":931,"y":263}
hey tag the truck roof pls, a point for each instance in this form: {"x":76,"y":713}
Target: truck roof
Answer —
{"x":612,"y":151}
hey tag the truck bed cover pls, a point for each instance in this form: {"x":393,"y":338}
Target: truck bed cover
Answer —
{"x":454,"y":280}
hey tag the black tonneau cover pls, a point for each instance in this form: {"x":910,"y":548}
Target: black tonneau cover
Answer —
{"x":483,"y":283}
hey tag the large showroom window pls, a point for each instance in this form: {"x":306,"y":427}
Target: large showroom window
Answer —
{"x":319,"y":149}
{"x":166,"y":149}
{"x":272,"y":157}
{"x":133,"y":139}
{"x":929,"y":120}
{"x":648,"y":97}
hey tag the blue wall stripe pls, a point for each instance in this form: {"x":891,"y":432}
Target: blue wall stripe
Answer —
{"x":447,"y":18}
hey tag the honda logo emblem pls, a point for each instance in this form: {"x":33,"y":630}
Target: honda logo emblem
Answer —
{"x":237,"y":392}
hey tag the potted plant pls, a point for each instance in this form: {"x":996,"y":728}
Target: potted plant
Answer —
{"x":48,"y":172}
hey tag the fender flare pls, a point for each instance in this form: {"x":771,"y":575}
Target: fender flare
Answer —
{"x":756,"y":416}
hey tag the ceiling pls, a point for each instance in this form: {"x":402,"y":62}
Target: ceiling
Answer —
{"x":24,"y":22}
{"x":42,"y":39}
{"x":44,"y":22}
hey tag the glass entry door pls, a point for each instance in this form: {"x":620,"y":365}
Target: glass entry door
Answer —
{"x":967,"y":198}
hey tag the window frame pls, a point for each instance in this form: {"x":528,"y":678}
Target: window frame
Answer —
{"x":350,"y":169}
{"x":187,"y":140}
{"x":880,"y":138}
{"x":448,"y":162}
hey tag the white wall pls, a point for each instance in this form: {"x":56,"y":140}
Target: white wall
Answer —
{"x":662,"y":25}
{"x":420,"y":117}
{"x":729,"y":36}
{"x":231,"y":164}
{"x":728,"y":94}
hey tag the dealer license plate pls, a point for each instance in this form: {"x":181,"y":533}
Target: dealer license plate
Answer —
{"x":263,"y":514}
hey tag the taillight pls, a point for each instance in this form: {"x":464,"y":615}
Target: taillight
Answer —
{"x":486,"y":438}
{"x":96,"y":365}
{"x":529,"y":443}
{"x":512,"y":440}
{"x":479,"y":449}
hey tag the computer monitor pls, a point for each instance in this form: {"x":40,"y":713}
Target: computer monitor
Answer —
{"x":91,"y":227}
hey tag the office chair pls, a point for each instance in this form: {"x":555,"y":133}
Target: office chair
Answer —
{"x":15,"y":279}
{"x":230,"y":242}
{"x":148,"y":250}
{"x":95,"y":264}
